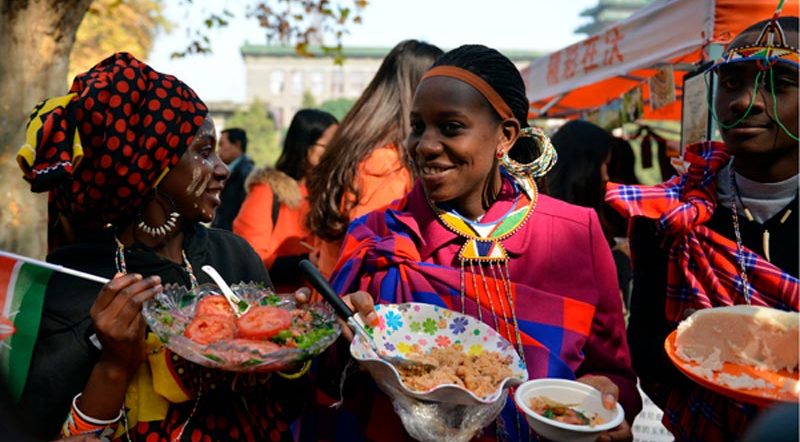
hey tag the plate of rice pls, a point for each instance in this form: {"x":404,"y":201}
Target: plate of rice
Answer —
{"x":467,"y":362}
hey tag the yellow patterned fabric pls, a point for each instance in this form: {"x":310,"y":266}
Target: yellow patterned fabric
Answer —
{"x":153,"y":388}
{"x":164,"y":382}
{"x":40,"y":130}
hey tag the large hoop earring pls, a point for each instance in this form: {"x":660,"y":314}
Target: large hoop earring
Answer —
{"x":538,"y":167}
{"x":169,"y":224}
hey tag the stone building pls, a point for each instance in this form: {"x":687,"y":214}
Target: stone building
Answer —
{"x":220,"y":111}
{"x":280,"y":77}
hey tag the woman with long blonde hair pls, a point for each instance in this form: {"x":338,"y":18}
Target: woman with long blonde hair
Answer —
{"x":364,"y":167}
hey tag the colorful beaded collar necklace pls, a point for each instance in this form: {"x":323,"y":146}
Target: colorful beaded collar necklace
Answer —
{"x":483,"y":239}
{"x":488,"y":260}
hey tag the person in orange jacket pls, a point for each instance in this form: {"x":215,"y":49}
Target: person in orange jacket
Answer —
{"x":364,"y":168}
{"x":273,"y":216}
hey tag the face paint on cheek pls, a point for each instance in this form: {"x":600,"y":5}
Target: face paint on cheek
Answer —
{"x":195,"y":181}
{"x":202,"y":187}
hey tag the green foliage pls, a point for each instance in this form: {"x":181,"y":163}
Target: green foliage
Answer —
{"x":289,"y":21}
{"x":308,"y":100}
{"x":262,"y":138}
{"x":116,"y":25}
{"x":338,"y":107}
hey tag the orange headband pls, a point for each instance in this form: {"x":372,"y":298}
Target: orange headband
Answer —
{"x":475,"y":81}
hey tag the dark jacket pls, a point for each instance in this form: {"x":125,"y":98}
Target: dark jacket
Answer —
{"x":648,"y":327}
{"x":233,"y":194}
{"x":63,"y":358}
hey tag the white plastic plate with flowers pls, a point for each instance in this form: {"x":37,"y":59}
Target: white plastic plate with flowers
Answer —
{"x":416,"y":328}
{"x":171,"y":311}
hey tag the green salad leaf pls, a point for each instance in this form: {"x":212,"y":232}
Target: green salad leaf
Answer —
{"x":309,"y":339}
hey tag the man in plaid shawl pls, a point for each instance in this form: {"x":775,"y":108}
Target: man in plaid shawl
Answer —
{"x":723,"y":233}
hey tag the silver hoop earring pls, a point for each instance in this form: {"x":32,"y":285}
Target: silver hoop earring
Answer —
{"x":538,"y":167}
{"x":169,"y":224}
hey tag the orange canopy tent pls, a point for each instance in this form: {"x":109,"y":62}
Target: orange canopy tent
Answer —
{"x":599,"y":69}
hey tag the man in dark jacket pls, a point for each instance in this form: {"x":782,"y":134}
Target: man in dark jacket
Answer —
{"x":232,"y":149}
{"x":724,"y":233}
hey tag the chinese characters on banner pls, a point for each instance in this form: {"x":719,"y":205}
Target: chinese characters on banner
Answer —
{"x":586,"y":56}
{"x":659,"y":33}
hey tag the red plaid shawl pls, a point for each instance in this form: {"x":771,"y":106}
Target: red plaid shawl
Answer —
{"x":703,"y":265}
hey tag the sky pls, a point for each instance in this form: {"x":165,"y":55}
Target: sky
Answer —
{"x":535,"y":25}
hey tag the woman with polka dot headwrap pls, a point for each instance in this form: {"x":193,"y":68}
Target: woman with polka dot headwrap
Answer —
{"x":128,"y":158}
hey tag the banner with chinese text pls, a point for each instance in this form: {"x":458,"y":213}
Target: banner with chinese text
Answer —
{"x":661,"y":31}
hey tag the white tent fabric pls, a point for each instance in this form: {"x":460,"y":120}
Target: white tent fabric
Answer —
{"x":661,"y":31}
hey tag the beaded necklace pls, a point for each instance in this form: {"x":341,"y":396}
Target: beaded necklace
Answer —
{"x":746,"y":289}
{"x":121,"y":265}
{"x":736,"y":196}
{"x":485,"y":256}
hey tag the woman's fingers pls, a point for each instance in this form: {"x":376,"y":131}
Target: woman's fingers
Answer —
{"x":137,"y":301}
{"x":620,"y":434}
{"x":110,"y":290}
{"x":608,"y":389}
{"x":302,"y":295}
{"x":610,"y":393}
{"x":347,"y":333}
{"x":127,"y":303}
{"x":364,"y":305}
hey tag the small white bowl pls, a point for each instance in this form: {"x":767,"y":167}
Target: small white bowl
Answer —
{"x":567,"y":392}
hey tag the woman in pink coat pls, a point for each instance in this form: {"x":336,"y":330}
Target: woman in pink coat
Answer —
{"x":475,"y":235}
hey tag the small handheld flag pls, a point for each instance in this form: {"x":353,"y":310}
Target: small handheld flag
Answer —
{"x":23,"y":282}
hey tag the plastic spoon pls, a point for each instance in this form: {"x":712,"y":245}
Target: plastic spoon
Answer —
{"x":239,"y":306}
{"x":315,"y":278}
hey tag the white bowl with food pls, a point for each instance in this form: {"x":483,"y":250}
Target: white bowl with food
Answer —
{"x":561,"y":410}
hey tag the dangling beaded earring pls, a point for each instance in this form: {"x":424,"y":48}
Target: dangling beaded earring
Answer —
{"x":538,"y":167}
{"x":169,"y":224}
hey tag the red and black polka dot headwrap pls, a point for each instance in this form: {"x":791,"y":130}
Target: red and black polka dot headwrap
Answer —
{"x":100,"y":149}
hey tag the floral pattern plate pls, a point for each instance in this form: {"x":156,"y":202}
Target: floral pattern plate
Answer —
{"x":171,"y":311}
{"x":418,"y":328}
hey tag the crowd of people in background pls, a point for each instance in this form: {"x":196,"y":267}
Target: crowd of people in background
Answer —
{"x":365,"y":167}
{"x":273,"y":216}
{"x":233,"y":152}
{"x":435,"y":153}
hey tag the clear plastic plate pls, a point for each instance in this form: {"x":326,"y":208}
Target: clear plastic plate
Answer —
{"x":170,"y":312}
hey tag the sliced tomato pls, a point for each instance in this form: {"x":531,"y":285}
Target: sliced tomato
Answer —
{"x":214,"y":305}
{"x":263,"y":322}
{"x":210,"y":328}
